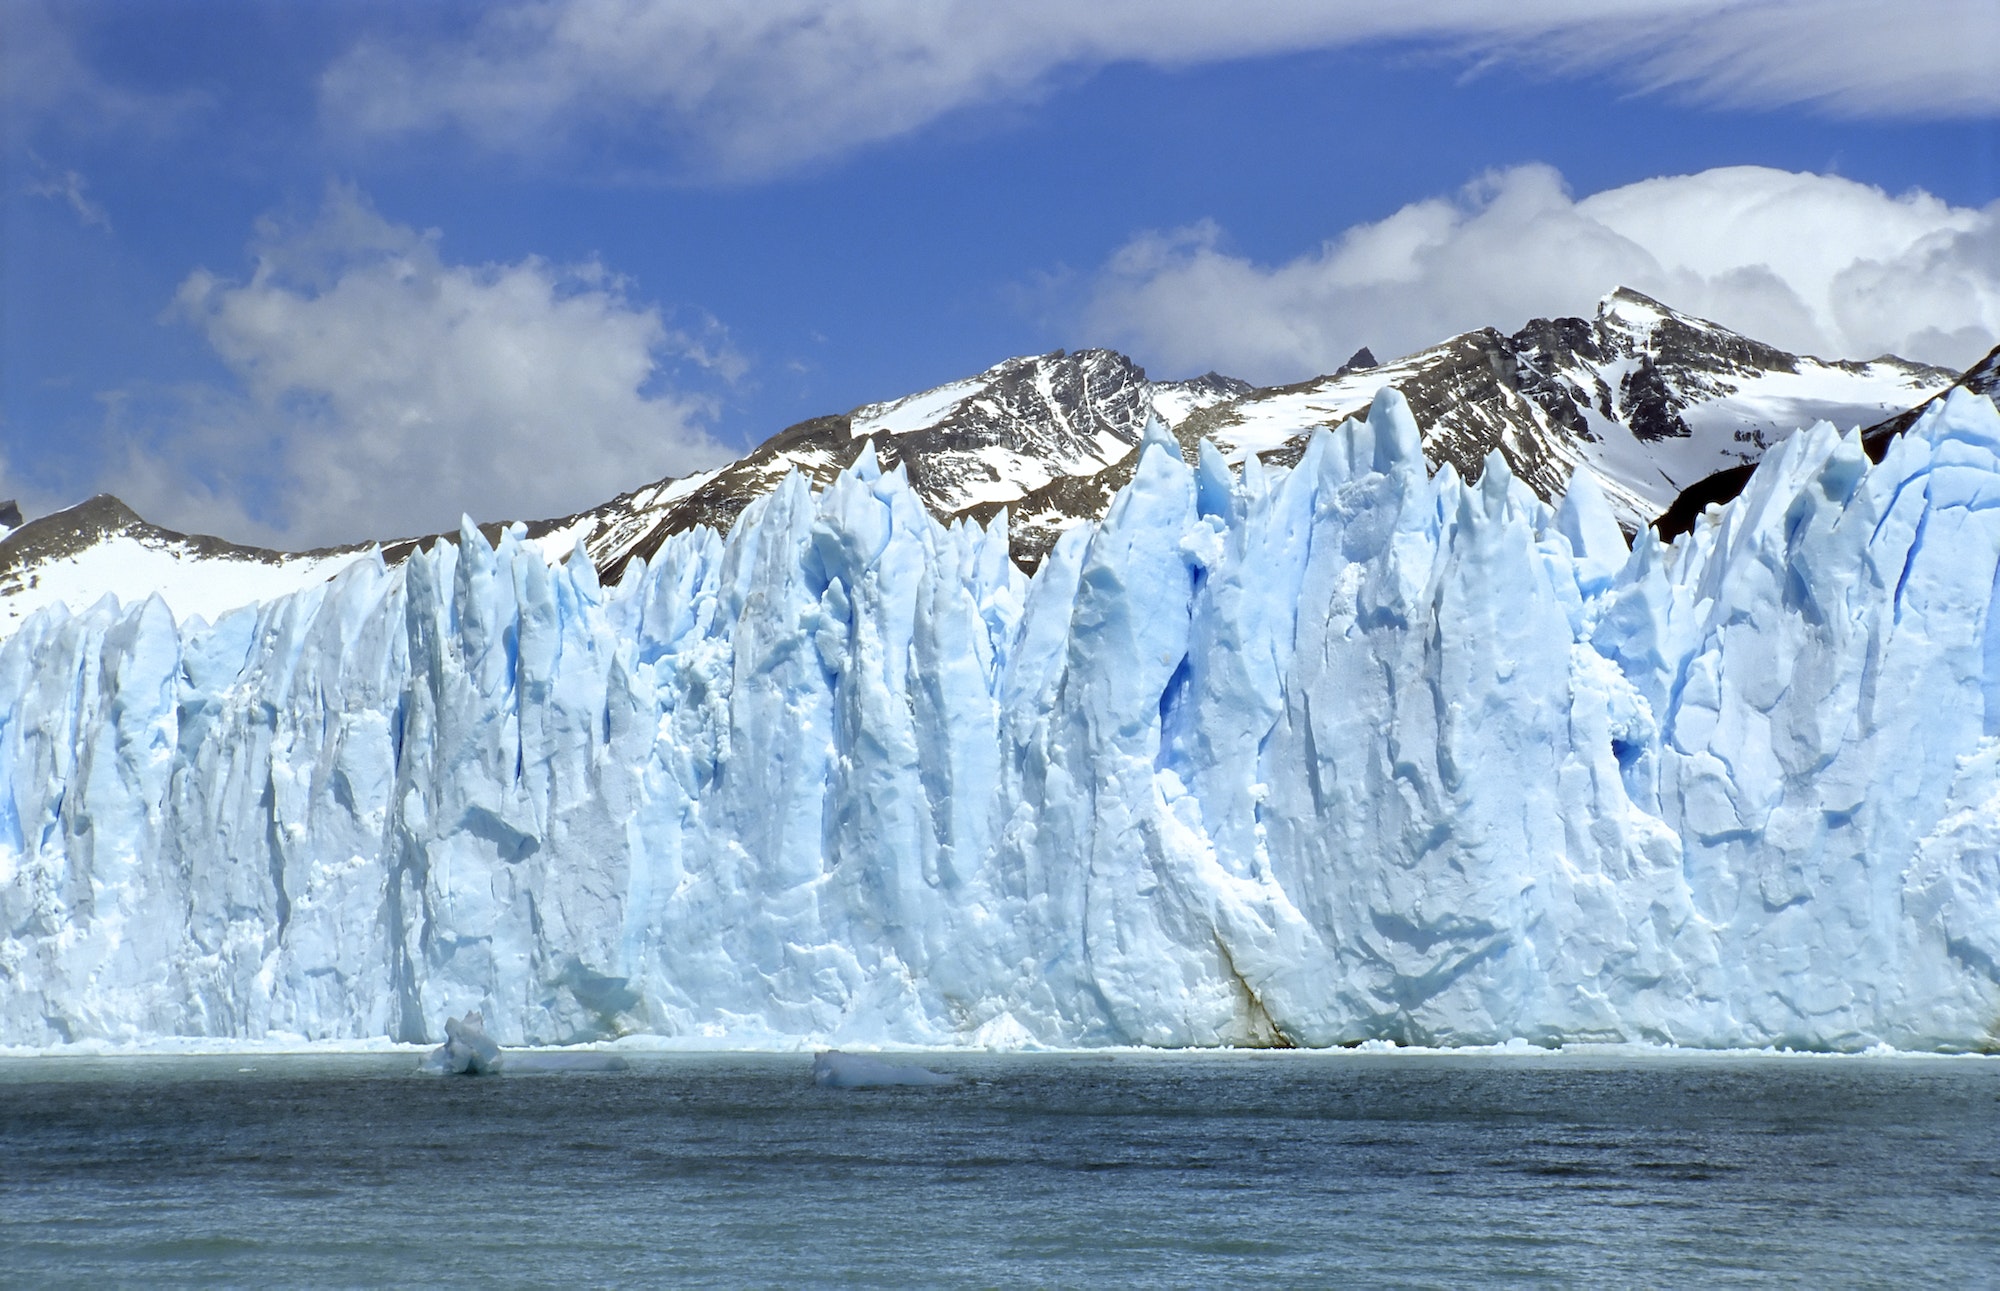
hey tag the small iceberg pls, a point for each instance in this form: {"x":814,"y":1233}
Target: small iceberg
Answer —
{"x":467,"y":1049}
{"x":833,"y":1069}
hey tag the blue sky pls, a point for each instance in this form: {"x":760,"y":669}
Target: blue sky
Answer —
{"x":301,"y":274}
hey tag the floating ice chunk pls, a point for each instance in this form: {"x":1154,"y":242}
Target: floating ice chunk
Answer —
{"x":836,"y":1070}
{"x":466,"y":1051}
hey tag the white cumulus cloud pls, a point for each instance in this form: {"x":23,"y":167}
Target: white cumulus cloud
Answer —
{"x":382,"y":390}
{"x":1813,"y":263}
{"x":754,"y":88}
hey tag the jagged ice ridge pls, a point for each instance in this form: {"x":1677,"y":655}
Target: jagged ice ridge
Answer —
{"x":1318,"y":755}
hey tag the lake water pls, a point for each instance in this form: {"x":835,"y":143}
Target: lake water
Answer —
{"x":1135,"y":1169}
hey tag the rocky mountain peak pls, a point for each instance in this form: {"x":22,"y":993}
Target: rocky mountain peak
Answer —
{"x":1632,"y":324}
{"x":1056,"y":408}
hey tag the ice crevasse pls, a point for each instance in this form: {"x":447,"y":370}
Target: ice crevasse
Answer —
{"x":1343,"y":752}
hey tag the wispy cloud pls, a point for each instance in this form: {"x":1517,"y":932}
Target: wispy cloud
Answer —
{"x":45,"y":83}
{"x":1847,"y":58}
{"x":382,"y":389}
{"x":1814,"y":263}
{"x":747,"y":90}
{"x":67,"y":186}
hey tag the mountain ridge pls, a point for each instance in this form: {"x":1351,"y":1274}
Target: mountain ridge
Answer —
{"x":1649,"y":399}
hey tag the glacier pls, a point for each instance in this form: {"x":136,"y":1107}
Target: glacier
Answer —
{"x":1341,"y":753}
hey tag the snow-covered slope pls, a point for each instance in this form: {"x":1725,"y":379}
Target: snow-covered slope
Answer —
{"x":1981,"y":378}
{"x":1310,"y":755}
{"x":101,"y":548}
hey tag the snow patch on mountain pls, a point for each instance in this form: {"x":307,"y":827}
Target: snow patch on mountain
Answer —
{"x":1175,"y":401}
{"x":917,"y":411}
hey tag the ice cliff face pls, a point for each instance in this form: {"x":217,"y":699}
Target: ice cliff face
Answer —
{"x":1313,"y":755}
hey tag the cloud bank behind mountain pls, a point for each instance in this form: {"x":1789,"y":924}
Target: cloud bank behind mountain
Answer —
{"x":1815,"y":264}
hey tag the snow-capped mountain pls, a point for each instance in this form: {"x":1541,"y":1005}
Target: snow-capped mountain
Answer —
{"x":1648,"y":399}
{"x":971,"y":446}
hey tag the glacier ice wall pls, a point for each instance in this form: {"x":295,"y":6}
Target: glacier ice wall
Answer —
{"x":1313,"y":756}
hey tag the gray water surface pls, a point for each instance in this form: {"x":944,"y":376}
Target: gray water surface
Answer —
{"x":1133,"y":1169}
